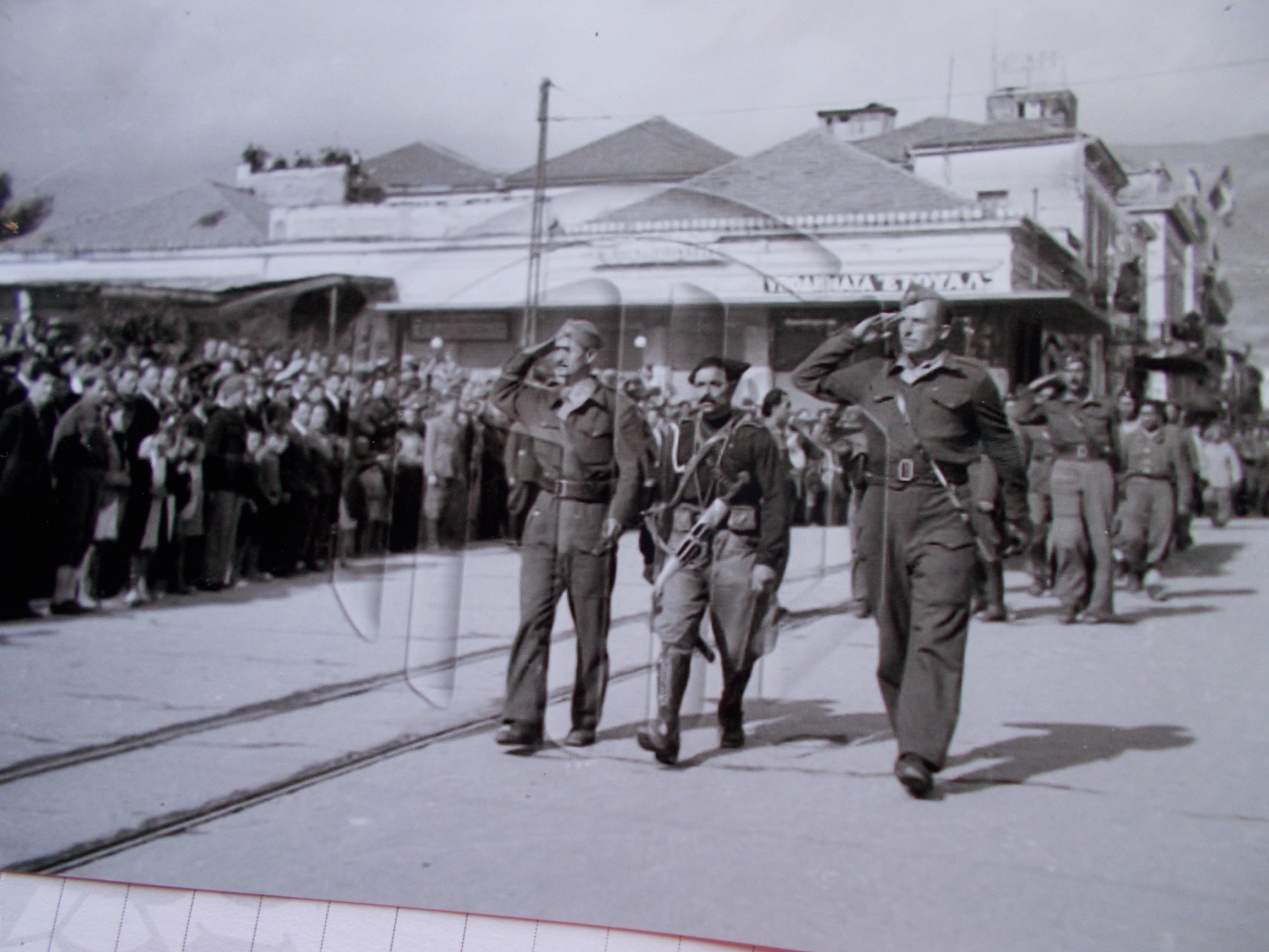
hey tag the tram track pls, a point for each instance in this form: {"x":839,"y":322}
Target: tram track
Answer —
{"x":180,"y":821}
{"x":274,"y":707}
{"x":249,"y":713}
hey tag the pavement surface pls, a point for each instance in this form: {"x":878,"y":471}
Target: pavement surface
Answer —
{"x":1106,"y":789}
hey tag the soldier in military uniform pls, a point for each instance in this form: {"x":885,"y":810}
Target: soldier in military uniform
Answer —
{"x":1082,"y":487}
{"x":1157,"y":483}
{"x":586,"y":443}
{"x":718,"y":457}
{"x":931,"y":415}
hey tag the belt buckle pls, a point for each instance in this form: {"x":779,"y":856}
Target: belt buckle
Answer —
{"x":906,"y":471}
{"x":1081,"y":452}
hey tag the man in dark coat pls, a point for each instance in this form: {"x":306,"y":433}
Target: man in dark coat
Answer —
{"x":25,"y":497}
{"x":717,"y":461}
{"x":227,"y":479}
{"x":586,"y":443}
{"x":931,"y":415}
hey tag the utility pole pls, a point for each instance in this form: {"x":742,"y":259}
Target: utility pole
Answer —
{"x":533,"y":294}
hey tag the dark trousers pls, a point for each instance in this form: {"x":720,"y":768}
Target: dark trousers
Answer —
{"x":920,"y":561}
{"x":545,"y":575}
{"x":223,"y":511}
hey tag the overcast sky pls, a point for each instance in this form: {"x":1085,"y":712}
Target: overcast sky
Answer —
{"x":149,"y":94}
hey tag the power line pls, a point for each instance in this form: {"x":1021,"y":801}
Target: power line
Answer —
{"x":1092,"y":81}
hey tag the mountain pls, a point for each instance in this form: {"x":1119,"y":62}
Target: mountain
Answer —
{"x":1244,"y":246}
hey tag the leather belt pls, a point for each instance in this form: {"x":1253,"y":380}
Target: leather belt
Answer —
{"x":579,"y":490}
{"x":1082,"y":453}
{"x":915,"y":470}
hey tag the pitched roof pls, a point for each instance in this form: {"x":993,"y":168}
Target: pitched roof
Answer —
{"x":424,"y":167}
{"x":208,"y":215}
{"x":811,"y":174}
{"x":893,"y":146}
{"x":653,"y":151}
{"x":1009,"y":132}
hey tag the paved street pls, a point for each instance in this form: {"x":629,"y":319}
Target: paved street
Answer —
{"x":1106,"y":789}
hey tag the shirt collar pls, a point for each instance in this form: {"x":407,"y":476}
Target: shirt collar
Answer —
{"x":572,"y":398}
{"x":911,"y":373}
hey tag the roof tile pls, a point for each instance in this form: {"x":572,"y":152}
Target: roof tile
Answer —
{"x":653,"y":151}
{"x":811,"y":174}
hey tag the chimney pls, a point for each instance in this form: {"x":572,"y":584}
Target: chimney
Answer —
{"x":851,"y":125}
{"x":1057,"y":107}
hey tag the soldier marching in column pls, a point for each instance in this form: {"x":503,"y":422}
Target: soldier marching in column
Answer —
{"x":951,"y":485}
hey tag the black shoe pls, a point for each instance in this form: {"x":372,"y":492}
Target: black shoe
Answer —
{"x":1070,"y":615}
{"x":662,"y":740}
{"x":70,"y":607}
{"x":580,"y":737}
{"x":915,"y":776}
{"x":993,"y":613}
{"x":732,"y":736}
{"x":519,"y":735}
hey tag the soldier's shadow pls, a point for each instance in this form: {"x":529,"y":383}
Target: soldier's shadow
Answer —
{"x":1056,"y":747}
{"x":771,"y":723}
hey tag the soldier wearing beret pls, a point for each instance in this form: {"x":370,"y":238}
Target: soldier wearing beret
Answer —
{"x":1082,"y":429}
{"x":585,"y":442}
{"x":930,"y":415}
{"x":718,"y":460}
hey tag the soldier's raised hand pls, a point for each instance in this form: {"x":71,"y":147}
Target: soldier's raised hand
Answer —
{"x":871,"y":328}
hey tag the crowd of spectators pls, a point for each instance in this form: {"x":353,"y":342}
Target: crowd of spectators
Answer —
{"x":132,"y":471}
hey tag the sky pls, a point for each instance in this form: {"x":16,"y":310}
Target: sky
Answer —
{"x":104,"y":102}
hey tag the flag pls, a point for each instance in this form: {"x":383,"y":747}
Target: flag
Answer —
{"x":1221,"y":197}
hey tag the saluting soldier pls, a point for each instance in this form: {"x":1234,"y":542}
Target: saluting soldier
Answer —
{"x":585,"y":443}
{"x":931,"y":415}
{"x":1082,"y":489}
{"x":720,"y":461}
{"x":1157,"y":483}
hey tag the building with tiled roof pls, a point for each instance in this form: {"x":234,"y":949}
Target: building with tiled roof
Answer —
{"x":424,"y":167}
{"x":208,"y":215}
{"x":895,"y":145}
{"x":655,"y":150}
{"x":811,"y":174}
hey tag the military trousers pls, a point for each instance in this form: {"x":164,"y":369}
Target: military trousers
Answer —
{"x":920,"y":560}
{"x":739,"y":616}
{"x":1083,"y":494}
{"x":546,"y":574}
{"x":1147,"y":519}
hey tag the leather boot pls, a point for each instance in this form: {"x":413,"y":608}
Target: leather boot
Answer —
{"x":994,"y":600}
{"x":731,"y":714}
{"x":662,"y":737}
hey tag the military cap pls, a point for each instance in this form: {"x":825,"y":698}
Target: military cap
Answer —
{"x":732,"y":370}
{"x":583,"y":331}
{"x":916,"y":293}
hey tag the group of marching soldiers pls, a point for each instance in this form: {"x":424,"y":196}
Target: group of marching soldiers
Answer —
{"x":945,"y":499}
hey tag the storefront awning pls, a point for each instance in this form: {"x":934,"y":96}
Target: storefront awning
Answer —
{"x":1060,"y":311}
{"x":288,"y":290}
